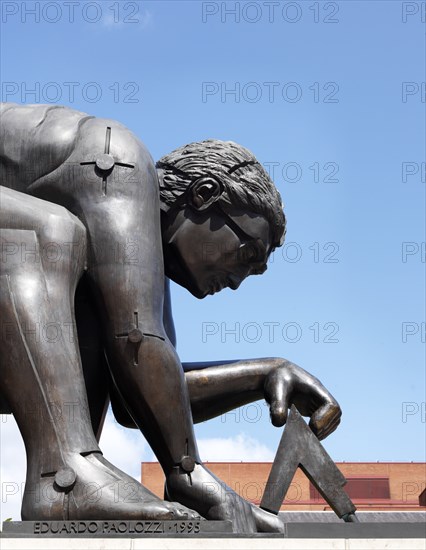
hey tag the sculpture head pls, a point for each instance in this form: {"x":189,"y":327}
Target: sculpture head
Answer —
{"x":221,"y":216}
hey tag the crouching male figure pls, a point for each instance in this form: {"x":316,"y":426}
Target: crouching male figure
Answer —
{"x":91,"y":232}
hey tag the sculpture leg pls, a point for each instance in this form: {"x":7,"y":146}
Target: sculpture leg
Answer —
{"x":43,"y":254}
{"x":95,"y":368}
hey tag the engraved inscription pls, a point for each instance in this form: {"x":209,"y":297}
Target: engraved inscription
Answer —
{"x":115,"y":527}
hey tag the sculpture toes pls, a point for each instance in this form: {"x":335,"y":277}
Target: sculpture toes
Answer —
{"x":180,"y":512}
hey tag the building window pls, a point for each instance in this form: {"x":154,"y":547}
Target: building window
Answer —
{"x":360,"y":488}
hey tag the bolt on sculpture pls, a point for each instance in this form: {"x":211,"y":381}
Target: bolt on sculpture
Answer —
{"x":91,"y":232}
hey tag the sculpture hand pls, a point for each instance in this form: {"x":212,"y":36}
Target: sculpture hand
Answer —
{"x":289,"y":385}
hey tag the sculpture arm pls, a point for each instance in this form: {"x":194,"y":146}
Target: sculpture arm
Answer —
{"x":216,"y":388}
{"x":220,"y":386}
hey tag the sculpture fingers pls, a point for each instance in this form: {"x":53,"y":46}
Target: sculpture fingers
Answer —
{"x":278,"y":413}
{"x":325,"y":419}
{"x":277,"y":394}
{"x":322,"y":434}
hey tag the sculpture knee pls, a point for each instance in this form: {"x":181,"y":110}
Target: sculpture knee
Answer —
{"x":40,"y":233}
{"x":22,"y":290}
{"x":63,"y":244}
{"x":20,"y":253}
{"x":49,"y":250}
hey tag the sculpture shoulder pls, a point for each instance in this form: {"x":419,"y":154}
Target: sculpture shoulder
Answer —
{"x":29,"y":123}
{"x":36,"y":139}
{"x":98,"y":136}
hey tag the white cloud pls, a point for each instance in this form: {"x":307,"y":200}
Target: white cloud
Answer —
{"x":124,"y":447}
{"x":123,"y":20}
{"x":240,"y":448}
{"x":12,"y":468}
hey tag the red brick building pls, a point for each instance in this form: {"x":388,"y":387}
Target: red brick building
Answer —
{"x":373,"y":486}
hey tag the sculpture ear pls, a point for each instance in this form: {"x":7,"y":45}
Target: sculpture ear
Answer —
{"x":204,"y":192}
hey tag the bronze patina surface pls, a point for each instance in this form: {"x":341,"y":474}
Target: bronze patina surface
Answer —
{"x":92,"y":230}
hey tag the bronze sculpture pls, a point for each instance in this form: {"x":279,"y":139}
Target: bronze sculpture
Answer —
{"x":91,"y":231}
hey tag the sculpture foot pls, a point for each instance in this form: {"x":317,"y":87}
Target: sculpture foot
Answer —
{"x":267,"y":522}
{"x":90,"y":488}
{"x":211,"y":497}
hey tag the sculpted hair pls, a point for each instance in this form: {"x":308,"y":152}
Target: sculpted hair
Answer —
{"x":246,"y":184}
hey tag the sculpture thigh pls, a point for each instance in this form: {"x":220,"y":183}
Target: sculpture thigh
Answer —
{"x":43,"y":257}
{"x":95,"y":368}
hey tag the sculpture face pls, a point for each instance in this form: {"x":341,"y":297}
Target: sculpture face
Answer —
{"x":211,"y":250}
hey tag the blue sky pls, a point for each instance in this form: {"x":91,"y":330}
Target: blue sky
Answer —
{"x":330,"y":96}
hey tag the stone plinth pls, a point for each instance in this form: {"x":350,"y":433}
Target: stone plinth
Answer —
{"x":209,"y":535}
